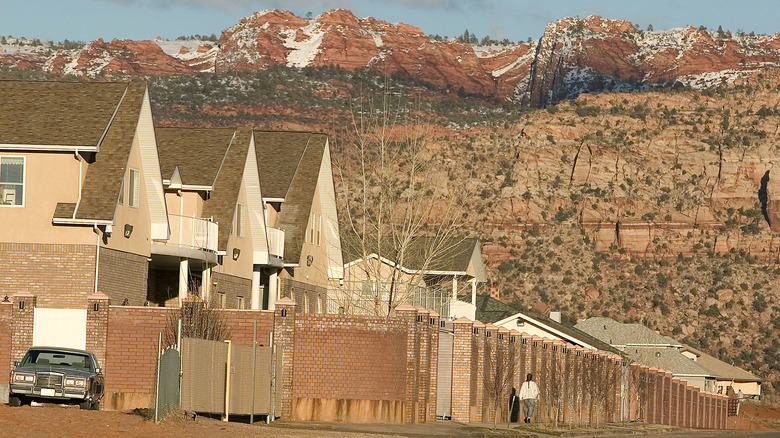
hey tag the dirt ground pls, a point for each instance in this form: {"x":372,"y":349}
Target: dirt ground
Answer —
{"x":70,"y":421}
{"x":755,"y":416}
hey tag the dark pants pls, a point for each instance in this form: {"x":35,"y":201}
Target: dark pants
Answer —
{"x":528,"y":407}
{"x":515,"y":409}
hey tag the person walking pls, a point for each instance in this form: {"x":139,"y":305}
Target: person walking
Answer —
{"x":529,"y":392}
{"x":514,"y":406}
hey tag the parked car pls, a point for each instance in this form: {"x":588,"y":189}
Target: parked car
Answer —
{"x":60,"y":375}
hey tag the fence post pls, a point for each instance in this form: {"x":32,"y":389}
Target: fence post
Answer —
{"x":254,"y":361}
{"x":227,"y":384}
{"x":157,"y":381}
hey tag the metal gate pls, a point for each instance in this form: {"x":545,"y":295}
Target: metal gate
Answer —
{"x":444,"y":382}
{"x":167,"y":391}
{"x":217,"y":378}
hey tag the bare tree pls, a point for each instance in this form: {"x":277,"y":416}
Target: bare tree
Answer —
{"x":199,"y":319}
{"x":400,"y":209}
{"x":554,"y":386}
{"x":497,"y":377}
{"x":640,"y":392}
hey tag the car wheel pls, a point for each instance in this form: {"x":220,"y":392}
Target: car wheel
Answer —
{"x":86,"y":404}
{"x":95,"y":406}
{"x":14,"y":401}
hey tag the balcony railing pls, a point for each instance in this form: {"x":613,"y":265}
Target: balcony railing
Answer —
{"x":193,"y":232}
{"x":371,"y":297}
{"x":275,"y":242}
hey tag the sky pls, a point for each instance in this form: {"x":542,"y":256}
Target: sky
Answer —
{"x":87,"y":20}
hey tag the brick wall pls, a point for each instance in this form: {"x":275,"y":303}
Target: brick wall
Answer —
{"x":591,"y":382}
{"x":233,"y":287}
{"x":123,"y":276}
{"x":349,"y":357}
{"x":58,"y":275}
{"x":131,"y":354}
{"x":308,"y":297}
{"x":6,"y":327}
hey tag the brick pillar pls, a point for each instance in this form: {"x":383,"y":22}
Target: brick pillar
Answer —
{"x":668,"y":388}
{"x":409,"y":315}
{"x":507,"y":355}
{"x":491,"y":362}
{"x":22,"y":324}
{"x":568,"y":384}
{"x":284,"y":338}
{"x":672,"y":401}
{"x":461,"y":369}
{"x":578,"y":374}
{"x":433,"y":370}
{"x":423,"y":364}
{"x":477,"y":370}
{"x":97,"y":325}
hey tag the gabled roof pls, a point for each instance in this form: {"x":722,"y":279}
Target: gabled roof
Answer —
{"x":289,"y":164}
{"x":619,"y":334}
{"x":104,"y":177}
{"x":450,"y":255}
{"x":491,"y":310}
{"x":57,"y":113}
{"x":669,"y":359}
{"x":98,"y":116}
{"x":196,"y":152}
{"x":722,"y":370}
{"x":221,"y":205}
{"x":279,"y":156}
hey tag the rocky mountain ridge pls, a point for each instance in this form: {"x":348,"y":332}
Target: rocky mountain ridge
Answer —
{"x":572,"y":56}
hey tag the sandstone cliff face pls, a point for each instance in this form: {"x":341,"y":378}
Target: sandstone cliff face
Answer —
{"x":573,"y":56}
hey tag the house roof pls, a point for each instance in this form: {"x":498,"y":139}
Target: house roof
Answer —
{"x":491,"y":310}
{"x":196,"y":152}
{"x":669,"y":359}
{"x":104,"y":177}
{"x":279,"y":155}
{"x":289,"y":164}
{"x":431,"y":254}
{"x":96,"y":116}
{"x":722,"y":370}
{"x":57,"y":113}
{"x":616,"y":333}
{"x":221,"y":205}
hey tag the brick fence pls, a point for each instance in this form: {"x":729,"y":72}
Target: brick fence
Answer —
{"x":577,"y":386}
{"x":366,"y":369}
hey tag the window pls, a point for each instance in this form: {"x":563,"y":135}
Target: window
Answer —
{"x":239,"y":225}
{"x":134,"y":187}
{"x":122,"y":193}
{"x":312,"y":221}
{"x":319,"y":229}
{"x":12,"y":180}
{"x":240,"y":303}
{"x":220,"y":300}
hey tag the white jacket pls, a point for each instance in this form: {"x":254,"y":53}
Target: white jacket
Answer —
{"x":528,"y":390}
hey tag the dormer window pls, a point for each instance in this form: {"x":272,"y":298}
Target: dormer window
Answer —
{"x":12,"y":180}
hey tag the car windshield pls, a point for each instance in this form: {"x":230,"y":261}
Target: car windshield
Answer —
{"x":47,"y":358}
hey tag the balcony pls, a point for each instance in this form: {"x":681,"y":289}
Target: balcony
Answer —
{"x":275,"y":243}
{"x":191,"y":237}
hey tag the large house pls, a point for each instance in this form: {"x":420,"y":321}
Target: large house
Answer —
{"x":220,"y":245}
{"x":652,"y":349}
{"x":300,"y":199}
{"x":95,"y":199}
{"x":81,"y":198}
{"x":426,"y":271}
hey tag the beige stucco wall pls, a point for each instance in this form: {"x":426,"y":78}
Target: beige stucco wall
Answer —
{"x":317,"y":273}
{"x":242,"y":267}
{"x":139,"y":241}
{"x":748,"y":388}
{"x":188,"y":204}
{"x":50,"y":177}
